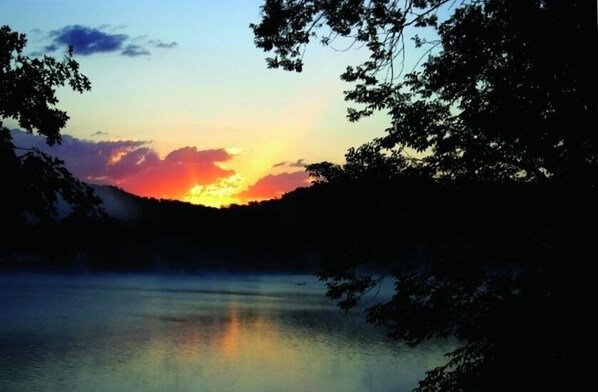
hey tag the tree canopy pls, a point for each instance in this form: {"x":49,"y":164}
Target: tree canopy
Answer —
{"x":33,"y":181}
{"x":505,"y":89}
{"x":501,"y":109}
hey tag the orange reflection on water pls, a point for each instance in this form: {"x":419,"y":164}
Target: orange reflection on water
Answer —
{"x":253,"y":338}
{"x":229,"y":343}
{"x":235,"y":336}
{"x":236,"y":347}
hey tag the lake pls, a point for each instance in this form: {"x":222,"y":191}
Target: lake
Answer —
{"x":136,"y":333}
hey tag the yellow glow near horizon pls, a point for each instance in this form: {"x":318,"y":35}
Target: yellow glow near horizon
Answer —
{"x":218,"y":194}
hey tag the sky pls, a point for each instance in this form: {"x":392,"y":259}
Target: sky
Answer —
{"x":182,"y":104}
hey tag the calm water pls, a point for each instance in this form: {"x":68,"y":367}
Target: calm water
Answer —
{"x":149,"y":333}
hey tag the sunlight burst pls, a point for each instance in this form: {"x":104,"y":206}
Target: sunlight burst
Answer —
{"x":218,"y":194}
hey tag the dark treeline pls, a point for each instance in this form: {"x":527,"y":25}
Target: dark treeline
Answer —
{"x":146,"y":234}
{"x":405,"y":219}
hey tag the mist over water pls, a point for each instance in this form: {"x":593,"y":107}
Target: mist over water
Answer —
{"x":193,"y":333}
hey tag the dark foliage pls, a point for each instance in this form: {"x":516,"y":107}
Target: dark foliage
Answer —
{"x":505,"y":90}
{"x":488,"y":235}
{"x":34,"y":182}
{"x":505,"y":268}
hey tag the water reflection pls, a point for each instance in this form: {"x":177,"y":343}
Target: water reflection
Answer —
{"x":229,"y":342}
{"x":191,"y":334}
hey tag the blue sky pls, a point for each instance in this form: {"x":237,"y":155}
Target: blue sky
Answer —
{"x":197,"y":81}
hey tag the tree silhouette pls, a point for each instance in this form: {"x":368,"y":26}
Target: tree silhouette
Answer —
{"x":500,"y":110}
{"x":502,"y":91}
{"x":32,"y":180}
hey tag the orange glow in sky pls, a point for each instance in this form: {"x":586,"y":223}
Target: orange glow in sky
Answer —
{"x":200,"y":177}
{"x":213,"y":177}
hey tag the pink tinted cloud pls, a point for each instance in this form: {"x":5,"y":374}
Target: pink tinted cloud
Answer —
{"x":133,"y":165}
{"x":178,"y":172}
{"x":275,"y":185}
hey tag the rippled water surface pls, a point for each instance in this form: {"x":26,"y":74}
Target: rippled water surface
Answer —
{"x":206,"y":333}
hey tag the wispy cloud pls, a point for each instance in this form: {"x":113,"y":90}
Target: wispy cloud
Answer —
{"x":297,"y":163}
{"x":134,"y":51}
{"x":87,"y":41}
{"x":163,"y":45}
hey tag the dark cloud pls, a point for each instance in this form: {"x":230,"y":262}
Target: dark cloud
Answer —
{"x":134,"y":51}
{"x":90,"y":40}
{"x":99,"y":133}
{"x":88,"y":160}
{"x":297,"y":163}
{"x":275,"y":185}
{"x":133,"y":165}
{"x":86,"y":40}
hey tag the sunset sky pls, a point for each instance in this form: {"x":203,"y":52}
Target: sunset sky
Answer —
{"x":182,"y":105}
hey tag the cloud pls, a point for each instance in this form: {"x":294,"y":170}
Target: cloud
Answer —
{"x":179,"y":171}
{"x":297,"y":163}
{"x":185,"y":173}
{"x":90,"y":40}
{"x":134,"y":51}
{"x":275,"y":185}
{"x":135,"y":166}
{"x":99,"y":133}
{"x":86,"y":40}
{"x":163,"y":45}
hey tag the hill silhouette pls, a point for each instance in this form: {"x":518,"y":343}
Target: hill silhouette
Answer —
{"x":404,"y":219}
{"x":150,"y":234}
